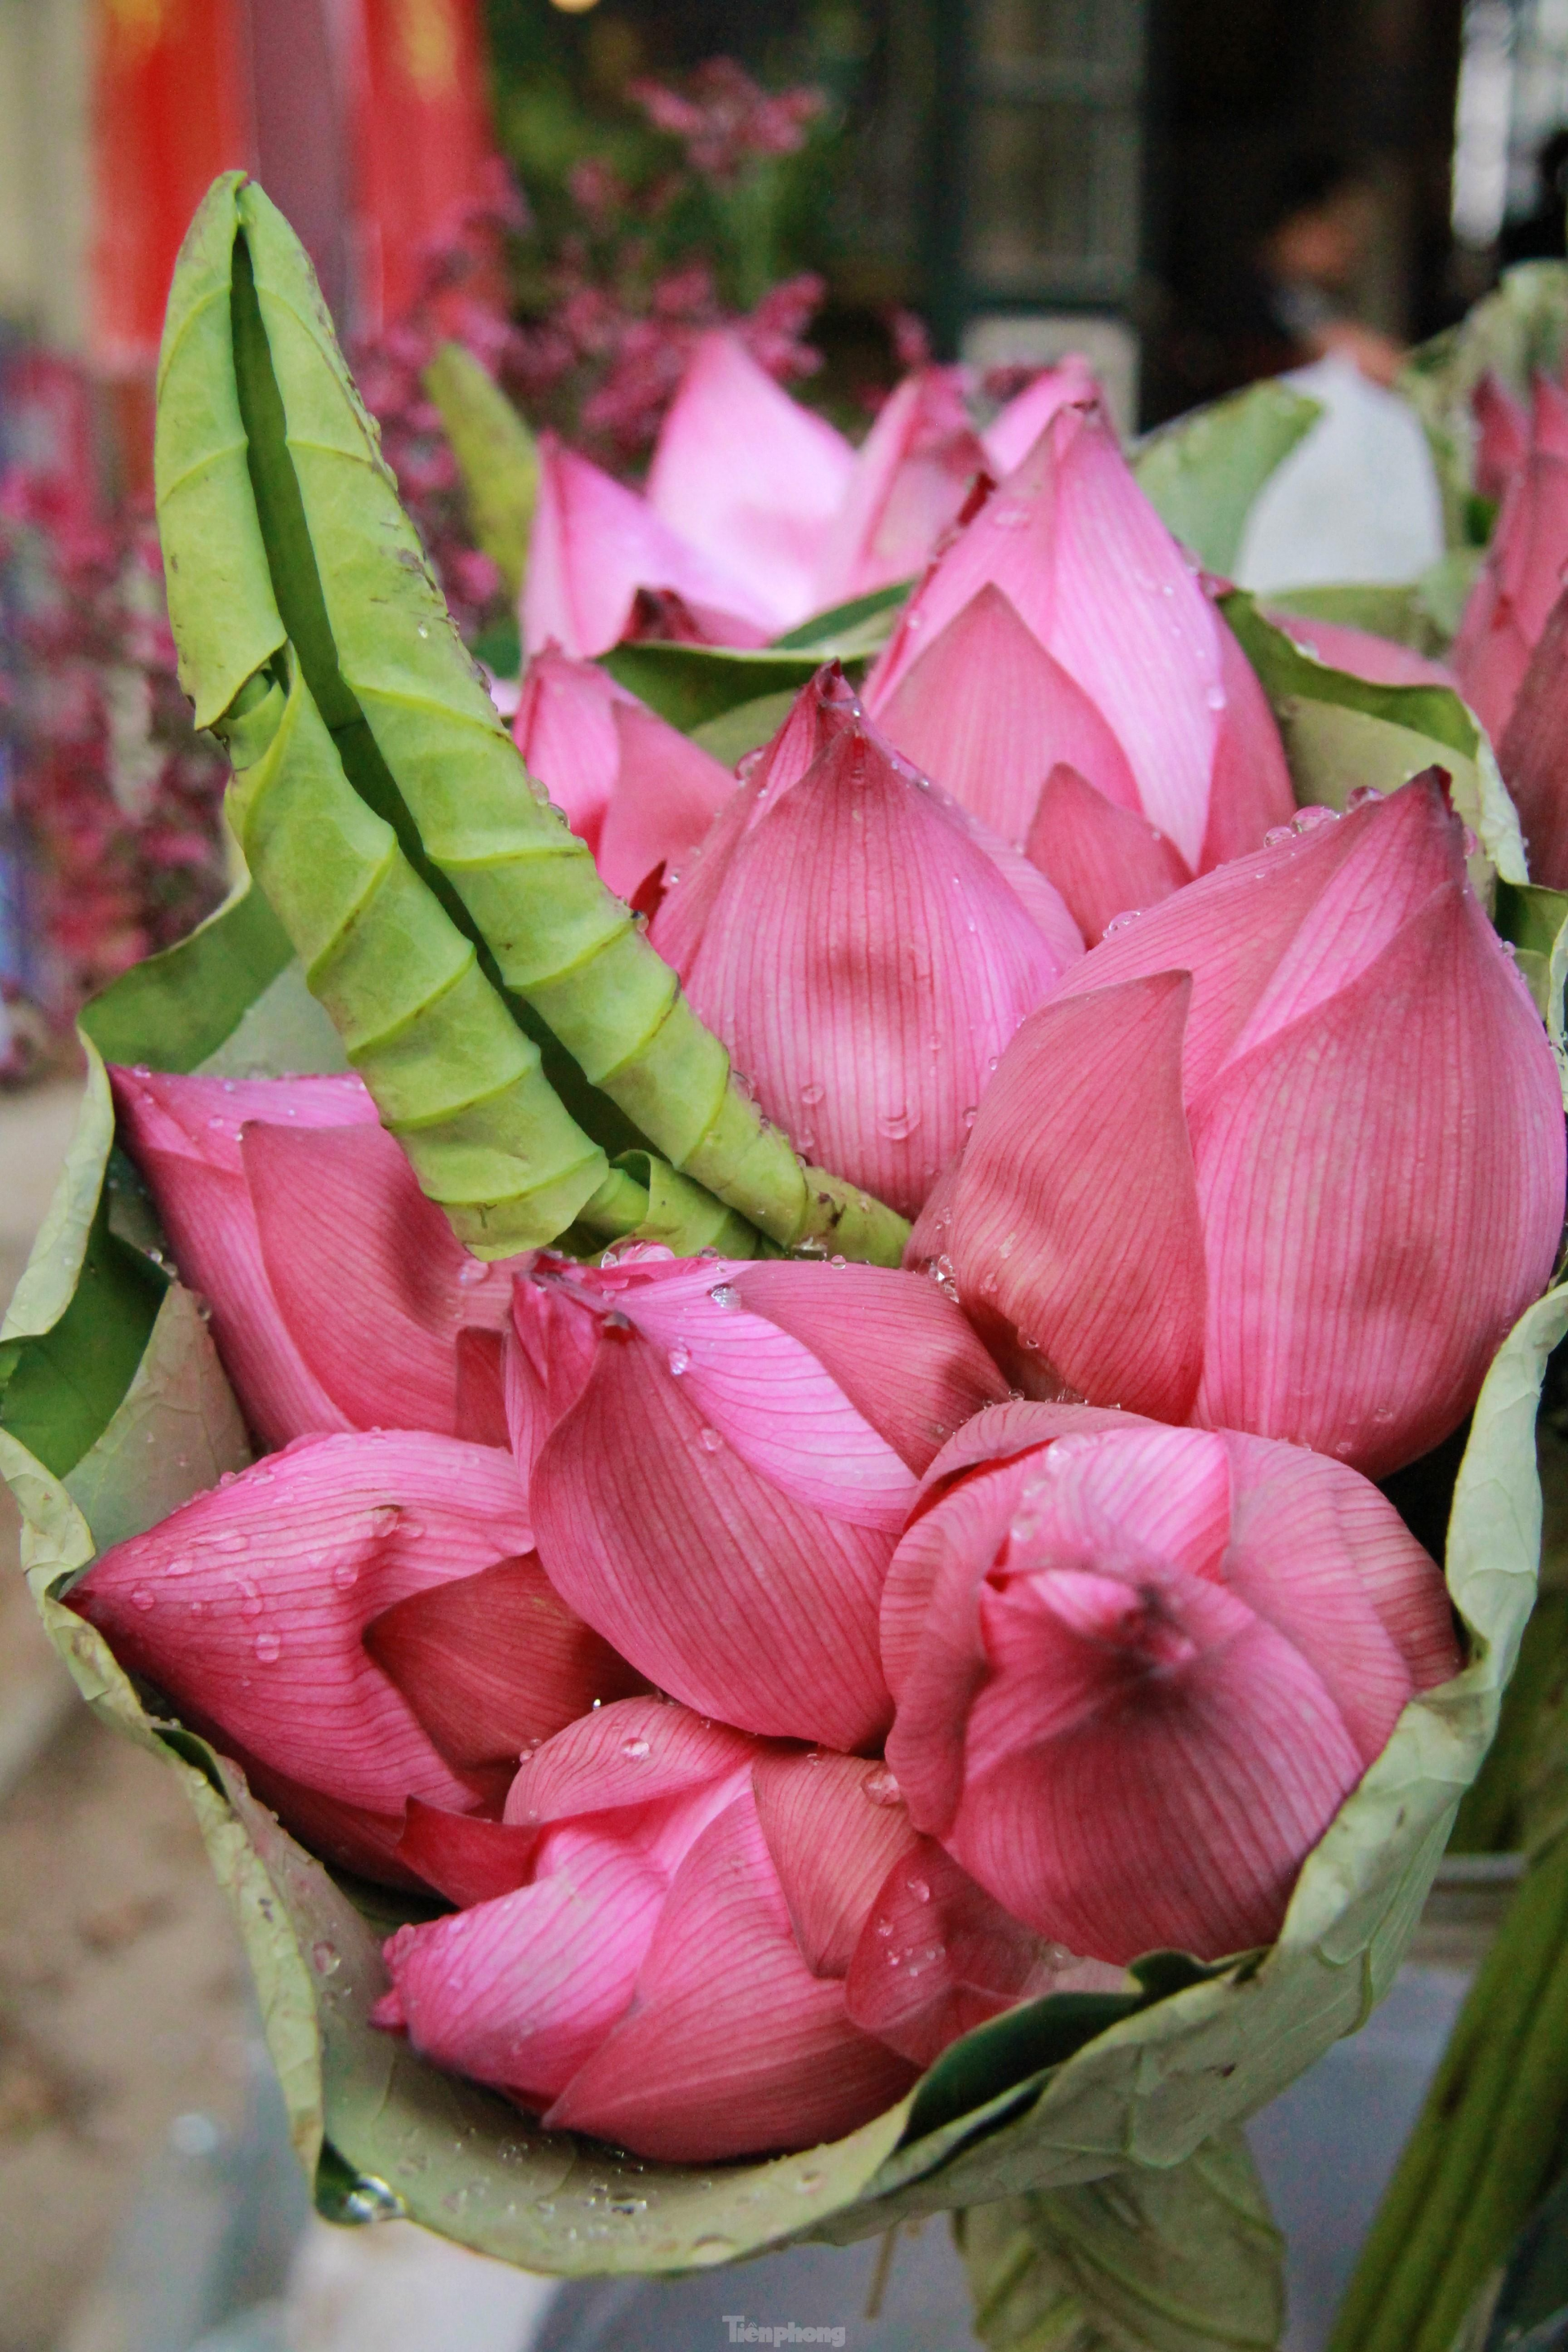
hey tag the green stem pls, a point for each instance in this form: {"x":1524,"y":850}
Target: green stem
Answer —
{"x":1455,"y":2137}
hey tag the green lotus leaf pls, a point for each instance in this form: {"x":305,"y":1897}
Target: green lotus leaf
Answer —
{"x":1393,"y":610}
{"x":1203,"y":471}
{"x":1341,"y":733}
{"x":496,"y":455}
{"x":1185,"y":2260}
{"x":1054,"y":2094}
{"x":693,"y":684}
{"x":1522,"y":327}
{"x":338,"y":677}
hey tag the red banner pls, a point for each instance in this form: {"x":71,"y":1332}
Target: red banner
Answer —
{"x":170,"y":111}
{"x":423,"y":138}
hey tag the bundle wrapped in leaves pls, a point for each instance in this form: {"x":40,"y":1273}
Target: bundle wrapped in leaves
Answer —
{"x":735,"y":1701}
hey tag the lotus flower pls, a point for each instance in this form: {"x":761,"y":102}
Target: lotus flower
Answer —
{"x":340,"y":1298}
{"x":749,"y":478}
{"x":633,"y":788}
{"x":359,"y":1622}
{"x":1064,"y":626}
{"x":595,"y":543}
{"x":1531,"y":754}
{"x":912,"y":473}
{"x":1285,"y":1155}
{"x":735,"y":1452}
{"x":1020,"y":423}
{"x":715,"y":1947}
{"x":865,"y":950}
{"x":1139,"y":1669}
{"x":1507,"y":607}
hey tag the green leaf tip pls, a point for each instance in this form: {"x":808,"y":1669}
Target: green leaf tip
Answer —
{"x":496,"y":456}
{"x":335,"y":569}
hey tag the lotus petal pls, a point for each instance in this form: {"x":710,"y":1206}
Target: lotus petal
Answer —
{"x":494,"y":1664}
{"x":1104,"y":860}
{"x":987,"y":713}
{"x":865,"y":961}
{"x":749,"y":478}
{"x":731,"y":2045}
{"x":248,"y":1604}
{"x":595,"y":544}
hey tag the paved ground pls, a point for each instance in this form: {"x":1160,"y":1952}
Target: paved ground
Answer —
{"x":121,"y":1986}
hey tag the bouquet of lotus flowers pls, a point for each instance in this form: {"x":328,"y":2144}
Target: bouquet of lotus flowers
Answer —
{"x":761,"y":1655}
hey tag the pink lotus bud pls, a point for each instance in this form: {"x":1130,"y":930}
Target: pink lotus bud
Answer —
{"x":1086,"y":564}
{"x":645,"y":1985}
{"x":1020,"y":423}
{"x":1363,"y":654}
{"x":640,"y":793}
{"x":250,"y":1606}
{"x":749,"y":479}
{"x":595,"y":543}
{"x":1139,"y":1669}
{"x":1531,"y":754}
{"x":902,"y":939}
{"x":1507,"y":607}
{"x":1286,"y":1154}
{"x":337,"y":1291}
{"x":911,"y":474}
{"x":1502,"y":437}
{"x":721,"y":1498}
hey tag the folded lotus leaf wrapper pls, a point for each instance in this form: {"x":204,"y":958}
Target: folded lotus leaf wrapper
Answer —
{"x":115,"y":1410}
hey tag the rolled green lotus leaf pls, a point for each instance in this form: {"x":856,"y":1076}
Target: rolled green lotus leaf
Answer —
{"x":496,"y":458}
{"x":347,"y":584}
{"x":452,"y":1075}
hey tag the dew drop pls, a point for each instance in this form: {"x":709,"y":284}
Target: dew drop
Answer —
{"x":724,"y":1294}
{"x":920,"y":1890}
{"x":709,"y":1440}
{"x":1308,"y":820}
{"x":142,"y":1597}
{"x":897,"y":1124}
{"x":882,"y":1788}
{"x":635,"y":1748}
{"x":472,"y":1270}
{"x":1277,"y":833}
{"x":1363,"y":796}
{"x":324,"y":1959}
{"x":251,"y":1602}
{"x":346,"y":1575}
{"x":179,"y":1568}
{"x":1214,"y":698}
{"x":679,"y":1357}
{"x":813,"y":1093}
{"x":269,"y":1649}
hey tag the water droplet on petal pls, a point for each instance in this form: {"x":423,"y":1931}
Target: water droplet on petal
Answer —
{"x":324,"y":1959}
{"x":1215,"y":697}
{"x":920,"y":1890}
{"x":472,"y":1270}
{"x":269,"y":1649}
{"x":679,"y":1357}
{"x":249,"y":1601}
{"x":346,"y":1575}
{"x":813,"y":1093}
{"x":1363,"y":796}
{"x":142,"y":1597}
{"x":724,"y":1294}
{"x":882,"y":1788}
{"x":637,"y":1749}
{"x":709,"y":1440}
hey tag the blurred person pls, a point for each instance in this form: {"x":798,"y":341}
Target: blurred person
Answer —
{"x":1311,"y":258}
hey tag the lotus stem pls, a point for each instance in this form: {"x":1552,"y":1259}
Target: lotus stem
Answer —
{"x":1473,"y":2164}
